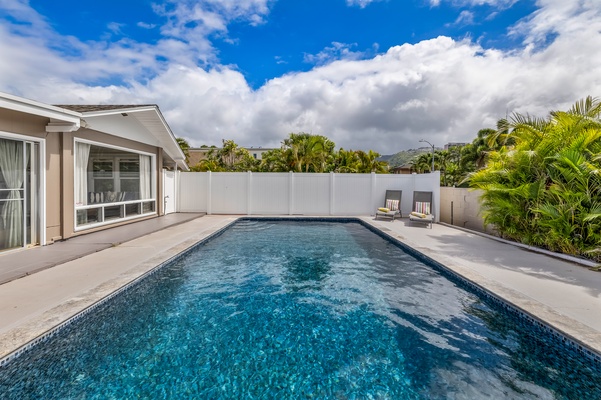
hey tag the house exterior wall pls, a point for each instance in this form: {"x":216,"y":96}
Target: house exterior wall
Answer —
{"x":35,"y":127}
{"x":59,"y":168}
{"x":24,"y":124}
{"x":54,"y":184}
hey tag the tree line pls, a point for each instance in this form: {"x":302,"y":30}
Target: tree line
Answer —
{"x":300,"y":152}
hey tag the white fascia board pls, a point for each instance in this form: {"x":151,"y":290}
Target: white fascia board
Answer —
{"x":115,"y":111}
{"x":27,"y":106}
{"x":170,"y":145}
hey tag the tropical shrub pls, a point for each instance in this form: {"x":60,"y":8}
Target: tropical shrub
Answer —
{"x":543,"y":186}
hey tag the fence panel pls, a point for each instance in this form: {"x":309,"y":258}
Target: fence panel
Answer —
{"x":298,"y":194}
{"x":311,"y":194}
{"x":192,"y":190}
{"x":352,"y":194}
{"x":270,"y":193}
{"x":229,"y":193}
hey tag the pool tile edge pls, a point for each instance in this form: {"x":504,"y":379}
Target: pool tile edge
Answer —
{"x":18,"y":340}
{"x":575,"y":334}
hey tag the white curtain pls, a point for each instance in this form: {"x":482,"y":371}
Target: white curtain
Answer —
{"x":82,"y":155}
{"x":12,"y":167}
{"x":145,"y":177}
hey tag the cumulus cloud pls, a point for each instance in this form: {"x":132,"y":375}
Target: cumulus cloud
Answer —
{"x":442,"y":90}
{"x":465,"y":18}
{"x":115,"y":27}
{"x":337,"y":51}
{"x":360,"y":3}
{"x":567,"y":19}
{"x":501,"y":4}
{"x":146,"y":25}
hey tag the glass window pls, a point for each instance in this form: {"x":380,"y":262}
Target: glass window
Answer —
{"x":117,"y":180}
{"x":130,"y":167}
{"x":102,"y":168}
{"x":115,"y":175}
{"x":104,"y":185}
{"x":13,"y":161}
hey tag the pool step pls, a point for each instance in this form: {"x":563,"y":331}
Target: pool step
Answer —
{"x":251,"y":225}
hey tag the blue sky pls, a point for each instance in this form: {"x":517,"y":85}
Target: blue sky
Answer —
{"x":369,"y":74}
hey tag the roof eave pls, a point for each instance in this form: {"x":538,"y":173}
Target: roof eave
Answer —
{"x":170,"y":145}
{"x":27,"y":106}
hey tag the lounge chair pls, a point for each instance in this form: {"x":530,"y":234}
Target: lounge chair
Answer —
{"x":422,"y":208}
{"x":392,"y":205}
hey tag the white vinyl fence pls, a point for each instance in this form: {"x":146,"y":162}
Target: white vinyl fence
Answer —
{"x":263,"y":193}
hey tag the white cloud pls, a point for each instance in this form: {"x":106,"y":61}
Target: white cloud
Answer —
{"x":146,"y":25}
{"x":501,"y":4}
{"x":568,"y":19}
{"x":337,"y":51}
{"x":440,"y":89}
{"x":360,"y":3}
{"x":465,"y":18}
{"x":115,"y":27}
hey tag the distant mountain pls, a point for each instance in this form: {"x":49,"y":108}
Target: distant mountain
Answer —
{"x":403,"y":157}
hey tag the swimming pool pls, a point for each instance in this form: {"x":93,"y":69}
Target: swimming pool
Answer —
{"x":279,"y":309}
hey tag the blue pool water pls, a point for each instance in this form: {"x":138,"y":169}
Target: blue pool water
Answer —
{"x":277,"y":309}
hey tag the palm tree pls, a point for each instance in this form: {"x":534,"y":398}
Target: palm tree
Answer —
{"x":543,"y":185}
{"x":474,"y":155}
{"x":370,"y":163}
{"x":346,"y":162}
{"x":274,"y":161}
{"x":422,"y":163}
{"x":308,"y":153}
{"x":207,"y":164}
{"x":230,"y":158}
{"x":185,"y":146}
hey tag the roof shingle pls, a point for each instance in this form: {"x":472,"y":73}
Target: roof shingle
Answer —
{"x":100,"y":107}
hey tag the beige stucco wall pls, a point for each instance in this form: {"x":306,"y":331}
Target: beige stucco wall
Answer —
{"x":21,"y":123}
{"x":54,"y":178}
{"x":35,"y":127}
{"x":60,"y":164}
{"x":461,"y":207}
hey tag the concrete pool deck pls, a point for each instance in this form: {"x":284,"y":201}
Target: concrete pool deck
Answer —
{"x":565,"y":295}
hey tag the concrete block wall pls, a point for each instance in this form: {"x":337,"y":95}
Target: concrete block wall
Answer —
{"x":461,"y":207}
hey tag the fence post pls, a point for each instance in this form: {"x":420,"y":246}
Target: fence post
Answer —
{"x":178,"y":193}
{"x":209,"y":195}
{"x":373,"y":193}
{"x":332,"y":175}
{"x":290,"y":192}
{"x":248,"y":192}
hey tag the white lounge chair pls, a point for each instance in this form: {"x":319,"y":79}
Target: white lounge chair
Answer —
{"x":392,"y":205}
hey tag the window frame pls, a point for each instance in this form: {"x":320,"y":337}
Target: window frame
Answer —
{"x":125,"y":207}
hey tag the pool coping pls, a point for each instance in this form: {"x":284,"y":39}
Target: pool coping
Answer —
{"x":524,"y":311}
{"x":519,"y":304}
{"x":19,"y":340}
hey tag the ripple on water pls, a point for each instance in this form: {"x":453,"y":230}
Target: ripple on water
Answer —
{"x":299,"y":310}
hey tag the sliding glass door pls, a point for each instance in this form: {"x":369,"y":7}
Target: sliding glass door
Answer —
{"x":19,"y":193}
